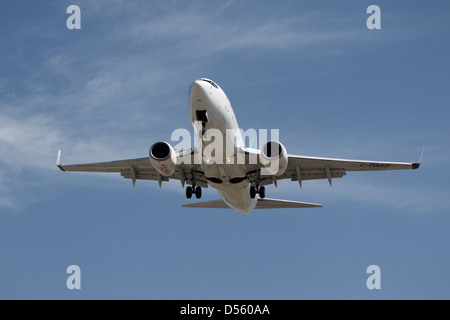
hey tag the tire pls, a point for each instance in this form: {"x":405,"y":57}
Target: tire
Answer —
{"x":189,"y":192}
{"x":198,"y":192}
{"x":252,"y":192}
{"x":262,"y":192}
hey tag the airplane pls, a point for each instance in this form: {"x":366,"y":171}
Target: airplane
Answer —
{"x":241,"y":186}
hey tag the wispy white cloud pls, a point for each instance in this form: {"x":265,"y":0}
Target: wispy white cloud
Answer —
{"x":7,"y":198}
{"x":208,"y":34}
{"x":406,"y":197}
{"x":28,"y":149}
{"x":27,"y":140}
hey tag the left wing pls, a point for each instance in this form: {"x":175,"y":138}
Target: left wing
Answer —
{"x":142,"y":169}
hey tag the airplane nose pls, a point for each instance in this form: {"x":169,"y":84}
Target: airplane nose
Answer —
{"x":197,"y":91}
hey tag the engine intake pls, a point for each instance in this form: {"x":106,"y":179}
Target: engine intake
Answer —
{"x":274,"y":159}
{"x":163,"y":158}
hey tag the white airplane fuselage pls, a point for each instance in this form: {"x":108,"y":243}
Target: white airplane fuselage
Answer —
{"x":210,"y":108}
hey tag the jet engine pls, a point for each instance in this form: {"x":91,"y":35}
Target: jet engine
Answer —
{"x":274,"y":158}
{"x":163,"y":158}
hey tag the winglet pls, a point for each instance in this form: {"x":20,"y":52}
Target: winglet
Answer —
{"x":416,"y":165}
{"x":421,"y":156}
{"x":58,"y":162}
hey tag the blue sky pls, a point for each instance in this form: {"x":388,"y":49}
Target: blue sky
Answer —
{"x":311,"y":69}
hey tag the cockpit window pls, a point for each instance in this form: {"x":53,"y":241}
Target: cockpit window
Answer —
{"x":210,"y":82}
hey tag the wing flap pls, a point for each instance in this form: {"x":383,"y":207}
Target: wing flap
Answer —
{"x":112,"y":166}
{"x":312,"y":163}
{"x":314,"y":174}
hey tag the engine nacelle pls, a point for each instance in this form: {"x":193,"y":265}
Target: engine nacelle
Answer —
{"x":274,"y":158}
{"x":163,"y":158}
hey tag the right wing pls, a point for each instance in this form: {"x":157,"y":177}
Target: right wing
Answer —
{"x":301,"y":168}
{"x":142,"y":169}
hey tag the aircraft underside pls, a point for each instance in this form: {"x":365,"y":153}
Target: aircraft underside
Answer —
{"x":222,"y":161}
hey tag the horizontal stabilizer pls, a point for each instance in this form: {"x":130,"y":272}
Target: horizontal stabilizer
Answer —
{"x":218,"y":204}
{"x":262,"y":204}
{"x":279,"y":204}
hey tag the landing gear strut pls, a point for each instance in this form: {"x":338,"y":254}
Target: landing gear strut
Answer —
{"x":261,"y":191}
{"x":193,"y":190}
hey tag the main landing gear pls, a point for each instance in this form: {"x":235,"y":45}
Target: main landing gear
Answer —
{"x":261,"y":191}
{"x":193,"y":190}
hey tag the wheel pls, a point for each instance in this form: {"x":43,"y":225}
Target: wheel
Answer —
{"x":189,"y":192}
{"x":262,"y":192}
{"x":252,"y":192}
{"x":198,"y":192}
